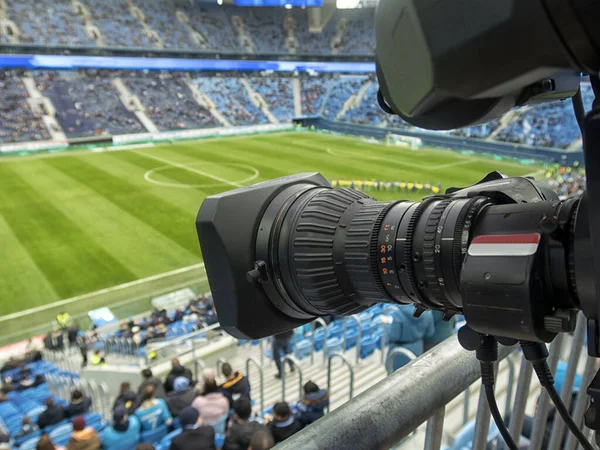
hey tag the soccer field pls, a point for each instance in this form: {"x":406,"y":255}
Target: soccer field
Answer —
{"x":79,"y":228}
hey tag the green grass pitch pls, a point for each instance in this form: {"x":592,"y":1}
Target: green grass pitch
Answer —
{"x":73,"y":223}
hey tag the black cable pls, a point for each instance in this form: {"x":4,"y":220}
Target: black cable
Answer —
{"x":564,"y":413}
{"x":487,"y":353}
{"x":491,"y":399}
{"x":537,"y":354}
{"x":579,"y":110}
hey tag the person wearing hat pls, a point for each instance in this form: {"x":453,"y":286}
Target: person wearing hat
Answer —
{"x":123,"y":433}
{"x":83,"y":438}
{"x":177,"y":370}
{"x":80,"y":404}
{"x":194,"y":436}
{"x":181,"y":396}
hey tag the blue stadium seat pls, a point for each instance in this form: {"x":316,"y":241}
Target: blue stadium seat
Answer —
{"x":36,"y":411}
{"x":319,"y":339}
{"x":63,"y":439}
{"x":336,"y":329}
{"x":303,"y":348}
{"x":65,"y":428}
{"x":51,"y":428}
{"x":219,"y":440}
{"x":368,"y":344}
{"x":464,"y":438}
{"x":166,"y":441}
{"x":35,"y":435}
{"x":155,"y":435}
{"x":365,"y":317}
{"x":29,"y":444}
{"x":334,"y":345}
{"x":351,"y":337}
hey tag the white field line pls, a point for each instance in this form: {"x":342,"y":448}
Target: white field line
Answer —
{"x":189,"y":169}
{"x":118,"y":287}
{"x":127,"y":147}
{"x":454,"y":164}
{"x":536,"y":173}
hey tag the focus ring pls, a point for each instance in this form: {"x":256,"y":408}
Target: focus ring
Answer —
{"x":410,"y":258}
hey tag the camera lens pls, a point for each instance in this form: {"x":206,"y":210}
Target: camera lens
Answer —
{"x":338,"y":251}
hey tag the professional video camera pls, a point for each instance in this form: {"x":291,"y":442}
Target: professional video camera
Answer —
{"x":506,"y":252}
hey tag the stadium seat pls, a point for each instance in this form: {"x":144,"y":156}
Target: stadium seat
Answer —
{"x":29,"y":444}
{"x":303,"y":348}
{"x":21,"y":440}
{"x":334,"y":345}
{"x":219,"y":440}
{"x":464,"y":438}
{"x":336,"y":329}
{"x":155,"y":435}
{"x":368,"y":344}
{"x":36,"y":411}
{"x":319,"y":339}
{"x":65,"y":428}
{"x":51,"y":428}
{"x":166,"y":441}
{"x":351,"y":337}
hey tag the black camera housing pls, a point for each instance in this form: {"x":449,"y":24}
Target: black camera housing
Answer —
{"x":224,"y":223}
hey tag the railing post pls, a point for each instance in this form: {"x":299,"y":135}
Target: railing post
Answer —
{"x":466,"y":405}
{"x":261,"y":379}
{"x":434,"y":431}
{"x":220,"y":363}
{"x":320,"y":321}
{"x":521,"y":395}
{"x":398,"y":351}
{"x":383,"y":341}
{"x":194,"y":359}
{"x":261,"y":346}
{"x":509,"y":387}
{"x":482,"y":423}
{"x":350,"y":368}
{"x":297,"y":367}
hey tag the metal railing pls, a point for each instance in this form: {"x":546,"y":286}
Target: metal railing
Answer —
{"x":220,"y":363}
{"x":297,"y":367}
{"x":261,"y":379}
{"x":383,"y":340}
{"x":358,"y":337}
{"x":395,"y":352}
{"x":422,"y":391}
{"x":323,"y":324}
{"x":169,"y":348}
{"x":350,"y":369}
{"x":62,"y":386}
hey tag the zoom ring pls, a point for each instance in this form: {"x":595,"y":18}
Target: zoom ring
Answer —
{"x":429,"y":255}
{"x":411,"y":257}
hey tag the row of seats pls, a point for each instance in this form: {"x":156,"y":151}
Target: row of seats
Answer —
{"x":173,"y":25}
{"x":88,"y":103}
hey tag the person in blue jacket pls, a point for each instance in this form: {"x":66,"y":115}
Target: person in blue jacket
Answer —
{"x":443,"y":330}
{"x":153,"y":412}
{"x":312,"y":406}
{"x":123,"y":433}
{"x":408,"y":332}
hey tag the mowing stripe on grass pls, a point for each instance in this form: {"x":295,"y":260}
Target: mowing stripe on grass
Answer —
{"x":118,"y":287}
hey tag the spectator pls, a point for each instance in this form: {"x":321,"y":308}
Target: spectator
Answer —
{"x":211,"y":404}
{"x":45,"y":443}
{"x":3,"y":397}
{"x":443,"y":329}
{"x":83,"y":345}
{"x":281,"y":345}
{"x":153,"y":412}
{"x":408,"y":332}
{"x":182,"y":396}
{"x":26,"y":428}
{"x":284,"y":423}
{"x":242,"y":429}
{"x":312,"y":406}
{"x":177,"y":371}
{"x":144,"y":446}
{"x":149,"y":380}
{"x":80,"y":404}
{"x":194,"y":436}
{"x":262,"y":440}
{"x":72,"y":332}
{"x":236,"y":386}
{"x":27,"y":380}
{"x":97,"y":358}
{"x":51,"y":415}
{"x":123,"y":433}
{"x":83,"y":438}
{"x":127,"y":398}
{"x":207,"y":374}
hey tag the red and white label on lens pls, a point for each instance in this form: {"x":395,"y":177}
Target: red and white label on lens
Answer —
{"x":505,"y":245}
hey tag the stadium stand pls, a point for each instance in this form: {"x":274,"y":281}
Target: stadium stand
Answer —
{"x":48,"y":23}
{"x":97,"y":102}
{"x":214,"y":25}
{"x":86,"y":103}
{"x":168,"y":100}
{"x":18,"y":122}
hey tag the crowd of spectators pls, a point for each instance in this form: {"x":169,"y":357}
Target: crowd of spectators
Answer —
{"x":214,"y":24}
{"x":278,"y":93}
{"x":266,"y":27}
{"x":48,"y":23}
{"x":86,"y":103}
{"x":231,"y":99}
{"x":340,"y":89}
{"x":17,"y":120}
{"x":161,"y":17}
{"x":313,"y":90}
{"x":566,"y":181}
{"x":168,"y":101}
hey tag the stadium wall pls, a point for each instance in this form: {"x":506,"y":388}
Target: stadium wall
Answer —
{"x":453,"y":142}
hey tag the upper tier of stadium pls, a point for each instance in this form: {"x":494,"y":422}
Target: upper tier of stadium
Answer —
{"x":181,"y":25}
{"x":44,"y":105}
